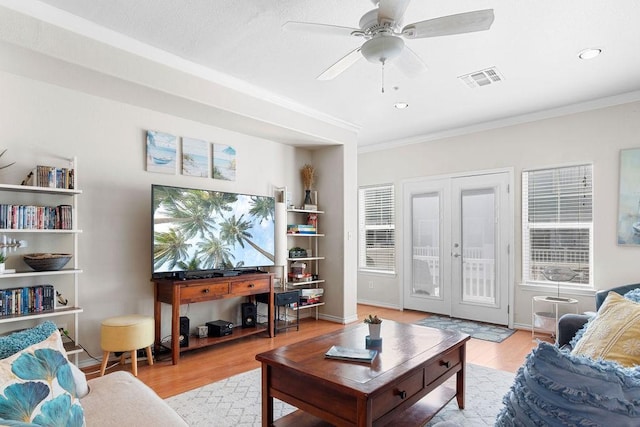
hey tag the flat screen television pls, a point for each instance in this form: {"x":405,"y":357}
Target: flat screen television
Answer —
{"x":205,"y":230}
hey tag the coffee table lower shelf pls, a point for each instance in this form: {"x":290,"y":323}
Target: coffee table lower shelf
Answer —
{"x":418,"y":414}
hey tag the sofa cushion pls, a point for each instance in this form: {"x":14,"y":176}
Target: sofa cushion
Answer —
{"x":614,"y":333}
{"x":18,"y":341}
{"x":633,"y":295}
{"x":554,"y":387}
{"x":120,"y":399}
{"x":37,"y":386}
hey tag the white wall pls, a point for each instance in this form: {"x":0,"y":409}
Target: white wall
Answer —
{"x":337,"y":195}
{"x":40,"y":121}
{"x":595,"y":136}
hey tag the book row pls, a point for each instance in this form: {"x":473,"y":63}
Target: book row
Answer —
{"x":29,"y":299}
{"x":49,"y":176}
{"x":28,"y":217}
{"x":301,"y":229}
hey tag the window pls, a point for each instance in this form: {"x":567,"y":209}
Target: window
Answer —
{"x":376,"y":229}
{"x":557,"y":223}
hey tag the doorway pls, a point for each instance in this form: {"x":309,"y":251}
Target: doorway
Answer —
{"x":458,"y":236}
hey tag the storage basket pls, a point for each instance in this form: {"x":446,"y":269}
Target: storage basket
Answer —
{"x":544,"y":320}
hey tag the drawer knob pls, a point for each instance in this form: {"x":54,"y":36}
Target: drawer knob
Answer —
{"x":445,"y":363}
{"x":251,"y":285}
{"x":401,"y":393}
{"x":205,"y":291}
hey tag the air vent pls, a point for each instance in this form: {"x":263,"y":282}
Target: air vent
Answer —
{"x":482,"y":77}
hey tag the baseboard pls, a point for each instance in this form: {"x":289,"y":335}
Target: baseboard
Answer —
{"x":379,"y":304}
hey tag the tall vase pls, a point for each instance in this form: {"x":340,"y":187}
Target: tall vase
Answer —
{"x":307,"y":197}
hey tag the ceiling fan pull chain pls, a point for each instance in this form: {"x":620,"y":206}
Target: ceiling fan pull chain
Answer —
{"x":382,"y":76}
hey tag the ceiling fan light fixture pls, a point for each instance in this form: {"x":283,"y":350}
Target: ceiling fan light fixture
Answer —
{"x":589,"y":53}
{"x":401,"y":105}
{"x":382,"y":48}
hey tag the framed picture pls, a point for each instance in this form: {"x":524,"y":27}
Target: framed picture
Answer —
{"x":195,"y":157}
{"x":224,"y":162}
{"x":161,"y":152}
{"x":629,"y":198}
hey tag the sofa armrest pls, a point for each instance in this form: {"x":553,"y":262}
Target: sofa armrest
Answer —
{"x":120,"y":399}
{"x":568,"y":325}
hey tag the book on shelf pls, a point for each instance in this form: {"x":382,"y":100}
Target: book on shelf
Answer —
{"x":51,"y":177}
{"x":310,"y":300}
{"x":301,"y":229}
{"x":28,"y":217}
{"x":351,"y":354}
{"x":25,"y":300}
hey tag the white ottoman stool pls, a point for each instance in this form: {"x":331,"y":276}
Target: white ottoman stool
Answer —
{"x":127,"y":333}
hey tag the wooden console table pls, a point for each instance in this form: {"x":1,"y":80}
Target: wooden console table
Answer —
{"x":177,"y":292}
{"x":417,"y":372}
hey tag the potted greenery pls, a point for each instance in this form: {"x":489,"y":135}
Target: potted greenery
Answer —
{"x":374,"y":323}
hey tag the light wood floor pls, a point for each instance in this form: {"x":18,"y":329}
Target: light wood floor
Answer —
{"x":201,"y":367}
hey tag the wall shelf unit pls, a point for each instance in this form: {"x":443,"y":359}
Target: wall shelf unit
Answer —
{"x":29,"y":204}
{"x":309,"y":281}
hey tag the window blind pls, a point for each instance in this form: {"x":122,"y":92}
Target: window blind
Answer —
{"x":557,"y":222}
{"x":376,"y":229}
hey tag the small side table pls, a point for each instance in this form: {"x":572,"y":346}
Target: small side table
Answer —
{"x":285,"y":298}
{"x":542,"y":320}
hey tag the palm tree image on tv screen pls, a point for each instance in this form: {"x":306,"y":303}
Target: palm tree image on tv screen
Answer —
{"x":206,"y":230}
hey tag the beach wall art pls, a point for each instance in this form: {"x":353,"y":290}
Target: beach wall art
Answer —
{"x":629,"y":198}
{"x":224,"y":162}
{"x":195,"y":157}
{"x":161,"y":152}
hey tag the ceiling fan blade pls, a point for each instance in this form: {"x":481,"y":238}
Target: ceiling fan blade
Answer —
{"x":343,"y":63}
{"x":461,"y":23}
{"x":323,"y":29}
{"x":409,"y":63}
{"x":392,"y":10}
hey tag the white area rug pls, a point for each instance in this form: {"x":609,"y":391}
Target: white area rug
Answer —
{"x":236,"y":401}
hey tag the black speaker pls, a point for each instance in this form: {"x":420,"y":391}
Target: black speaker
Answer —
{"x":249,"y":314}
{"x":184,"y":331}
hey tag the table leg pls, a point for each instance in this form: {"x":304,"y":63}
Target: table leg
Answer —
{"x":175,"y":326}
{"x":267,"y":399}
{"x":157,"y":313}
{"x":460,"y":377}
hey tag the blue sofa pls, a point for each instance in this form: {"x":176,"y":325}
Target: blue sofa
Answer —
{"x":559,"y":387}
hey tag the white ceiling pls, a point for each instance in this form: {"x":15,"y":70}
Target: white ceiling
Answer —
{"x":533,"y":44}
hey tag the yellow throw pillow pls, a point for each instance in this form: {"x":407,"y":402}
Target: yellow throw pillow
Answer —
{"x":614,"y":334}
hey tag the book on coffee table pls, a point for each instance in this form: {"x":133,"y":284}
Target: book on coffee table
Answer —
{"x":351,"y":354}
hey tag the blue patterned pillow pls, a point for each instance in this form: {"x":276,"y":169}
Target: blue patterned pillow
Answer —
{"x":37,"y":387}
{"x":633,"y":295}
{"x":18,"y":341}
{"x":555,"y":388}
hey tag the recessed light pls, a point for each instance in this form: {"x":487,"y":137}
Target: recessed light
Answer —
{"x":401,"y":105}
{"x":589,"y":53}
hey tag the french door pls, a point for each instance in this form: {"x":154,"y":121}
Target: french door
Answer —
{"x":458,"y":232}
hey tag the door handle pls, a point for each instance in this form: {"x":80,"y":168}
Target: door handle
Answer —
{"x":456,"y":255}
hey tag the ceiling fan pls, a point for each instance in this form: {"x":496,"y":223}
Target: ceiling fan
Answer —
{"x":381,"y":29}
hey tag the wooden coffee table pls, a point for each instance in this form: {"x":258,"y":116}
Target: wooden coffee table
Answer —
{"x":403,"y":385}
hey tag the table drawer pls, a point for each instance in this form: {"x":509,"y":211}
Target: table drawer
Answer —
{"x":253,"y":286}
{"x":398,"y":393}
{"x":196,"y":293}
{"x":441,"y":365}
{"x":286,"y":298}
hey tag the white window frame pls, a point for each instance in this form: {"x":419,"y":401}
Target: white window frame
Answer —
{"x":585,"y":224}
{"x":381,"y":198}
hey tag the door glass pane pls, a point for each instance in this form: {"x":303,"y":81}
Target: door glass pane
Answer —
{"x":426,"y":245}
{"x":478,"y":246}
